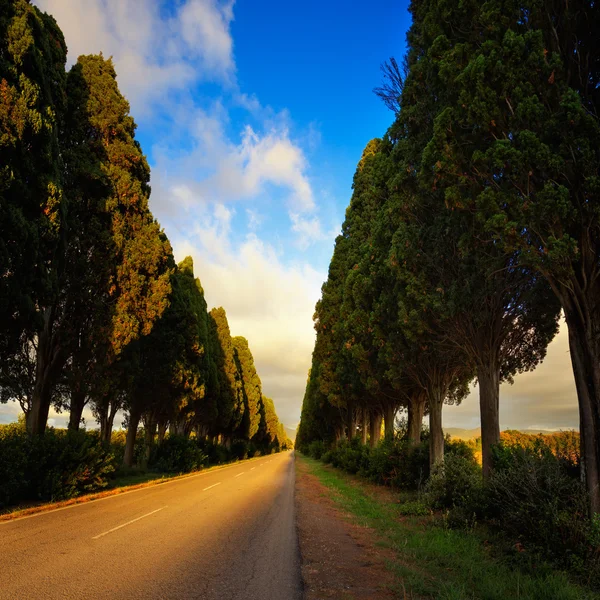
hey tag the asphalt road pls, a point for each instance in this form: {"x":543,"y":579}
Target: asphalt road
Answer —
{"x":227,"y":534}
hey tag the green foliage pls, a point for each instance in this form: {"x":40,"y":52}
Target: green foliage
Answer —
{"x":533,"y":496}
{"x":316,"y":449}
{"x":413,"y":508}
{"x":455,"y":482}
{"x":57,"y":466}
{"x":352,"y":456}
{"x":250,"y":389}
{"x":177,"y":454}
{"x":32,"y":93}
{"x":396,"y":463}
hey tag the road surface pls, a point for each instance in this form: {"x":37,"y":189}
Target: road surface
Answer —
{"x":227,"y":534}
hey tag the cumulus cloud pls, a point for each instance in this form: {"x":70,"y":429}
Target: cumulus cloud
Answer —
{"x":154,"y":53}
{"x":214,"y":166}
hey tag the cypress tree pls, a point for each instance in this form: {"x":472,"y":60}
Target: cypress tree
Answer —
{"x":32,"y":103}
{"x":32,"y":204}
{"x":251,"y":388}
{"x":230,"y":402}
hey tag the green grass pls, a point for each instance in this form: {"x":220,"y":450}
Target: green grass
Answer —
{"x":135,"y":478}
{"x":438,"y":563}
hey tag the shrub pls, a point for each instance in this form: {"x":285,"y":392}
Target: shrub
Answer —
{"x":327,"y":457}
{"x":316,"y":449}
{"x":455,"y":483}
{"x":532,"y":496}
{"x":216,"y":453}
{"x":414,"y":508}
{"x":239,"y":450}
{"x":352,"y":456}
{"x":55,"y":466}
{"x":177,"y":454}
{"x":396,"y":463}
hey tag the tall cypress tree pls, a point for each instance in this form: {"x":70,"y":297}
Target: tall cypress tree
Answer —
{"x":111,"y":238}
{"x":32,"y":204}
{"x":251,"y":388}
{"x":230,"y":402}
{"x":32,"y":102}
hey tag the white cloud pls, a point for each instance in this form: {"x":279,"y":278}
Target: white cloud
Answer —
{"x":154,"y":53}
{"x":213,"y":167}
{"x":309,"y":229}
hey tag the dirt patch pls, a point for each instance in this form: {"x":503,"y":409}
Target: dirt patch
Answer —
{"x":339,"y":559}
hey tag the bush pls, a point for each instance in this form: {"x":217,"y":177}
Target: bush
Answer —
{"x":216,"y":453}
{"x":315,"y":449}
{"x":396,"y":463}
{"x":56,"y":466}
{"x":532,"y":496}
{"x":327,"y":457}
{"x":177,"y":454}
{"x":455,"y":483}
{"x":352,"y":456}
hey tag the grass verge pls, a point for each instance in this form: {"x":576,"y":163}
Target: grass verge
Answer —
{"x":435,"y":562}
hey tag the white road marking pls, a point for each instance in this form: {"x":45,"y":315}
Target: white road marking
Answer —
{"x":240,"y":473}
{"x":252,"y":469}
{"x":128,"y":523}
{"x":211,"y":486}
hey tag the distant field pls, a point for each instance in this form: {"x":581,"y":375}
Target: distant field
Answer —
{"x":471,"y":434}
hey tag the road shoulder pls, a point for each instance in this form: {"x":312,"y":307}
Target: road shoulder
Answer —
{"x":340,"y":559}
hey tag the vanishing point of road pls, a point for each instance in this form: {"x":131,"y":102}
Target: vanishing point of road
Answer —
{"x":226,"y":534}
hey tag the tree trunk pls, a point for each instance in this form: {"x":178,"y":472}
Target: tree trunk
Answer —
{"x":49,"y":360}
{"x":134,"y":421}
{"x":149,"y":432}
{"x":586,"y":370}
{"x":436,"y":433}
{"x":40,"y":406}
{"x":416,"y":410}
{"x":374,"y":429}
{"x":78,"y":402}
{"x":389,"y":416}
{"x":364,"y":425}
{"x":350,"y":423}
{"x":489,"y":407}
{"x":162,"y":430}
{"x":107,"y":418}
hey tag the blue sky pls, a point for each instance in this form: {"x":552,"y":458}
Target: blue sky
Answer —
{"x":253,"y":115}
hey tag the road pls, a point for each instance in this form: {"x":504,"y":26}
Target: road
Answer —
{"x":227,"y":534}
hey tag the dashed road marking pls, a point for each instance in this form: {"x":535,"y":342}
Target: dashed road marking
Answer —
{"x":128,"y":523}
{"x":211,"y":486}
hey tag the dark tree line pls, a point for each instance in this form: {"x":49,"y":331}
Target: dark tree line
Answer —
{"x":93,"y":308}
{"x":473,"y":223}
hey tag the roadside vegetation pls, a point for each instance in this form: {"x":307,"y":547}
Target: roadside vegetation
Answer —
{"x":533,"y":505}
{"x":435,"y":560}
{"x":94,"y":310}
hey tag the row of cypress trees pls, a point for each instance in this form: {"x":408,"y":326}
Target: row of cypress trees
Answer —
{"x":93,"y":308}
{"x":473,"y":223}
